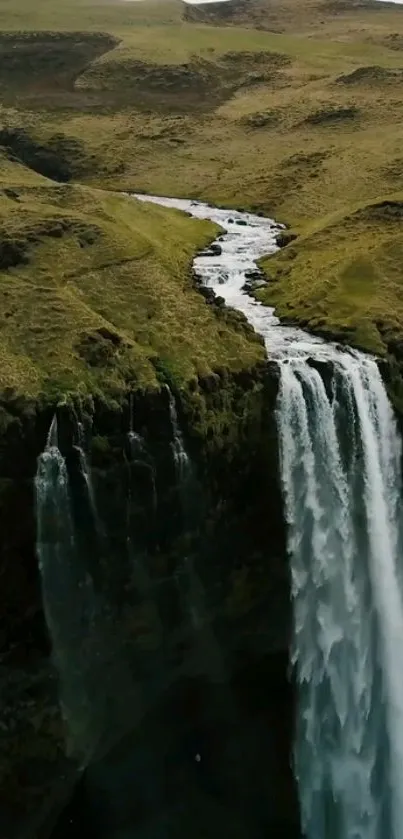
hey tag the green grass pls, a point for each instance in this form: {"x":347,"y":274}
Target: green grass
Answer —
{"x":90,"y":15}
{"x":100,"y":291}
{"x":344,"y":279}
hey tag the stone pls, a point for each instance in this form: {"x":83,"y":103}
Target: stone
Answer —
{"x":253,"y":275}
{"x":212,"y":250}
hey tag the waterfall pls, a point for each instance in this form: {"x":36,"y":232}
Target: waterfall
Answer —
{"x":87,"y":477}
{"x":181,"y":459}
{"x":136,"y":442}
{"x":67,"y":589}
{"x":98,"y":695}
{"x":343,"y":517}
{"x":140,"y":455}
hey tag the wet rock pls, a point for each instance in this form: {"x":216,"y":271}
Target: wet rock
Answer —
{"x":253,"y":285}
{"x":212,"y":250}
{"x":253,"y":276}
{"x":241,"y":222}
{"x":207,"y":293}
{"x":326,"y":370}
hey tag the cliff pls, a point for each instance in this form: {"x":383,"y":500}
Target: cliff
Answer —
{"x":187,"y":607}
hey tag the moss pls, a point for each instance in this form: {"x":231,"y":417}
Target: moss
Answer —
{"x":100,"y":445}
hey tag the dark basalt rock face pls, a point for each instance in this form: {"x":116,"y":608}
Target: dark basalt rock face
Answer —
{"x":186,"y":768}
{"x":184,"y":664}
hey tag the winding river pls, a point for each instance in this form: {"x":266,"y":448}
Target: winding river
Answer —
{"x":341,"y":473}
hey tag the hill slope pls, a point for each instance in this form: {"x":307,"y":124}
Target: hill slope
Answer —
{"x":344,"y":277}
{"x":96,"y":291}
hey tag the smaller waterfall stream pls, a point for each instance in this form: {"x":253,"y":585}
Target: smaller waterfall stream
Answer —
{"x":87,"y":477}
{"x":181,"y":459}
{"x":95,"y":684}
{"x":136,"y":442}
{"x":67,"y":589}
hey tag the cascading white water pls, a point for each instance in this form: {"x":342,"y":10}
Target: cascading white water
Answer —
{"x":181,"y":459}
{"x":67,"y":590}
{"x":136,"y":442}
{"x":95,"y":684}
{"x":341,"y":474}
{"x":86,"y":473}
{"x":343,"y":539}
{"x":138,"y":452}
{"x":85,"y":469}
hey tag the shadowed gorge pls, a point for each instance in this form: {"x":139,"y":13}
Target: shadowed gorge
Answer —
{"x":155,"y":595}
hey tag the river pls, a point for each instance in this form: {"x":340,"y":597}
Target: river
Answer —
{"x":340,"y":457}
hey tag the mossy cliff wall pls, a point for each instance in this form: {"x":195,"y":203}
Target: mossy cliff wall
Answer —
{"x":185,"y":650}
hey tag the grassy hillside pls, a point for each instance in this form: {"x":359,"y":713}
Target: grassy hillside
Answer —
{"x":344,"y":277}
{"x":95,"y":292}
{"x":292,"y":109}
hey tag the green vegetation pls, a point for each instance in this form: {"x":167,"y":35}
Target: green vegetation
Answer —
{"x":291,"y":109}
{"x":344,"y":278}
{"x":95,"y":288}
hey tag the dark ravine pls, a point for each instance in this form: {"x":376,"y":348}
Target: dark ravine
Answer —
{"x":230,"y":527}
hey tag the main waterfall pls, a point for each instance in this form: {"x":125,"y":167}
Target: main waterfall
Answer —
{"x":341,"y":473}
{"x":341,"y":476}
